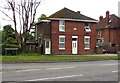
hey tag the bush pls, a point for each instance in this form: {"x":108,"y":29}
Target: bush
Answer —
{"x":3,"y":46}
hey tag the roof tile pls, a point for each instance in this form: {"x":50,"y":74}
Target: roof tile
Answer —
{"x":69,"y":14}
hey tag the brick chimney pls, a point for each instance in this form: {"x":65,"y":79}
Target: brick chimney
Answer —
{"x":107,"y":14}
{"x":107,"y":18}
{"x":78,"y":12}
{"x":100,"y":18}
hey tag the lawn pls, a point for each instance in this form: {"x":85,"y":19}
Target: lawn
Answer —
{"x":37,"y":58}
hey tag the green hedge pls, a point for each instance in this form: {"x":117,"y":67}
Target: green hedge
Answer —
{"x":3,"y":46}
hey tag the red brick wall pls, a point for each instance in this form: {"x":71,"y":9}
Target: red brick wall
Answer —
{"x":69,"y":32}
{"x":118,"y":37}
{"x":111,"y":36}
{"x":105,"y":35}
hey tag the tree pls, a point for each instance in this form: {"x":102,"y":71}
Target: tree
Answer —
{"x":42,"y":17}
{"x":8,"y":34}
{"x":8,"y":29}
{"x":25,"y":12}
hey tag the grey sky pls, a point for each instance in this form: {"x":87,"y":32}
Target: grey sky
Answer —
{"x":91,"y":8}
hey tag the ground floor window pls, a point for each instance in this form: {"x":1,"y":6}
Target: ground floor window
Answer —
{"x":61,"y":42}
{"x":87,"y":42}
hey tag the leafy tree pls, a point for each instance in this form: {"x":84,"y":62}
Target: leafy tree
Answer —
{"x":8,"y":34}
{"x":8,"y":29}
{"x":31,"y":37}
{"x":42,"y":17}
{"x":0,"y":36}
{"x":10,"y":40}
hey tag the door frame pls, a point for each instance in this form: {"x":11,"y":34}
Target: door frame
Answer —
{"x":76,"y":45}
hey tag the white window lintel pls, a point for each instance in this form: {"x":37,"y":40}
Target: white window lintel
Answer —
{"x":87,"y":36}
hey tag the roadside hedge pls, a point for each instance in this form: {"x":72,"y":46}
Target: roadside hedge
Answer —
{"x":3,"y":46}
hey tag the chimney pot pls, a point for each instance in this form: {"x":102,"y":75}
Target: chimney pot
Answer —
{"x":100,"y":18}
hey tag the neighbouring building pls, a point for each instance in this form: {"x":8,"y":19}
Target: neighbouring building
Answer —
{"x":109,"y":33}
{"x":67,"y":32}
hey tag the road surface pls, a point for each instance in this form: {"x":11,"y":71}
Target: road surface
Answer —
{"x":104,"y":70}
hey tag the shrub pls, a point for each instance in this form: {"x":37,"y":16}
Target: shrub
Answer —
{"x":3,"y":46}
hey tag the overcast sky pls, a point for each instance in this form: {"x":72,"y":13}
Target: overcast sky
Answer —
{"x":91,"y":8}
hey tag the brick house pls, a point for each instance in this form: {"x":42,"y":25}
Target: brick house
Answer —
{"x":66,"y":32}
{"x":109,"y":33}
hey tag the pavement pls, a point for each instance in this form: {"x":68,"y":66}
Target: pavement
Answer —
{"x":91,"y":55}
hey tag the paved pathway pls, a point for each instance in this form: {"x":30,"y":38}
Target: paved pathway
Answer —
{"x":92,"y":55}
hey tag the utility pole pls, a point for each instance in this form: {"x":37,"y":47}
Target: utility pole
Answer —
{"x":119,"y":8}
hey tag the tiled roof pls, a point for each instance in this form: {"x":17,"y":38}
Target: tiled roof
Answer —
{"x":69,"y":14}
{"x":115,"y":22}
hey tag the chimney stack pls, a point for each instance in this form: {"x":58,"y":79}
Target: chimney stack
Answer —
{"x":100,"y":18}
{"x":78,"y":12}
{"x":107,"y":14}
{"x":107,"y":18}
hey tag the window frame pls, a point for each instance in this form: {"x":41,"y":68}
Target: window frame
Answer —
{"x":86,"y":43}
{"x":61,"y":25}
{"x":61,"y":42}
{"x":87,"y":28}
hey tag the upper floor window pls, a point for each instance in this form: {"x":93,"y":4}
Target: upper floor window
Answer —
{"x":62,"y":25}
{"x":87,"y":42}
{"x":87,"y":27}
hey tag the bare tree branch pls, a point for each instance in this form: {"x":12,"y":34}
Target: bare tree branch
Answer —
{"x":6,"y":15}
{"x":20,"y":20}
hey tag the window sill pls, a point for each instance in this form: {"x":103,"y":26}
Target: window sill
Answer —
{"x":61,"y":31}
{"x":61,"y":48}
{"x":86,"y":48}
{"x":87,"y":31}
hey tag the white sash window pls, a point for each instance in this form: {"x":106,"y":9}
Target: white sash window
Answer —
{"x":62,"y":26}
{"x":87,"y":42}
{"x":61,"y":42}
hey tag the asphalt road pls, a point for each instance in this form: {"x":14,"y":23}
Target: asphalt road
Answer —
{"x":105,"y":70}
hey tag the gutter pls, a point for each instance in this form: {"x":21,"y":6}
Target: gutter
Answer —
{"x":94,"y":21}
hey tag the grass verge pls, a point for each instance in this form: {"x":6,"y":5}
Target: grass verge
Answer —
{"x":52,"y":58}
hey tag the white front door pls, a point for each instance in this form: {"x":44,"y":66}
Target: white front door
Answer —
{"x":74,"y":45}
{"x":47,"y":47}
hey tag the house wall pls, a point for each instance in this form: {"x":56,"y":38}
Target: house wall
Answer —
{"x":118,"y":37}
{"x":43,"y":30}
{"x":110,"y":36}
{"x":69,"y":32}
{"x":105,"y":35}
